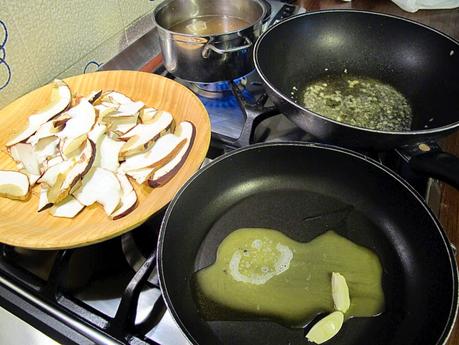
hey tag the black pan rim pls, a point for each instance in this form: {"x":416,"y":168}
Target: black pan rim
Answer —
{"x":453,"y":312}
{"x":430,"y":131}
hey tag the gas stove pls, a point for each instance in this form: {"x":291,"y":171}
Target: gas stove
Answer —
{"x":108,"y":293}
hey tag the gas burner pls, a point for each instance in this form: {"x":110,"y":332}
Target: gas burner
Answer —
{"x":217,"y":90}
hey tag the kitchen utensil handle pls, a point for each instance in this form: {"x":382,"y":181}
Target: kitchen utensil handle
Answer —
{"x":437,"y":164}
{"x":210,"y":46}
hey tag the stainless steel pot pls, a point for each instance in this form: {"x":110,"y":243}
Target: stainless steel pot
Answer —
{"x":209,"y":58}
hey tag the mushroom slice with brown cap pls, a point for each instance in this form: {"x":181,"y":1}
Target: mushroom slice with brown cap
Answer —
{"x":128,"y":198}
{"x":164,"y":149}
{"x":145,"y":133}
{"x":14,"y":185}
{"x":66,"y":182}
{"x":162,"y":175}
{"x":102,"y":186}
{"x":60,"y":100}
{"x":46,"y":130}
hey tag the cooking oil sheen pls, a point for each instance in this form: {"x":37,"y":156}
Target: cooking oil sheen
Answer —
{"x":263,"y":274}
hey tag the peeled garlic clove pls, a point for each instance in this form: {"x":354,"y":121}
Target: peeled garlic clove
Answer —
{"x":326,"y":328}
{"x":340,"y":292}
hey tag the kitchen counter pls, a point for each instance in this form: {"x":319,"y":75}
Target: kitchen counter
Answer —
{"x":446,"y":21}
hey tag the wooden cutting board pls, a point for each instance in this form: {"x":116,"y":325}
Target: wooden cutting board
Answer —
{"x":20,"y":223}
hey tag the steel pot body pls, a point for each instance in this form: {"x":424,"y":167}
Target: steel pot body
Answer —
{"x":214,"y":57}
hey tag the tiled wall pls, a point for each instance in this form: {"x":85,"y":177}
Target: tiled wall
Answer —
{"x":44,"y":39}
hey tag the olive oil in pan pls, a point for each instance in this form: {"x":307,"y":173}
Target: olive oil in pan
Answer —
{"x":358,"y":101}
{"x":263,"y":274}
{"x":210,"y":25}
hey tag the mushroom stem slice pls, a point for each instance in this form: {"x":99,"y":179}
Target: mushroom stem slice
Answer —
{"x":60,"y":100}
{"x":14,"y":185}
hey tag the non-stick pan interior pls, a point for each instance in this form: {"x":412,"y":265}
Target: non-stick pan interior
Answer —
{"x":304,"y":190}
{"x":420,"y":62}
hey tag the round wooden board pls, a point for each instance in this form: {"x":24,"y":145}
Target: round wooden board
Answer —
{"x":20,"y":223}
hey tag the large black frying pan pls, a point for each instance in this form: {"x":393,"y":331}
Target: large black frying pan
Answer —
{"x":303,"y":190}
{"x":419,"y":61}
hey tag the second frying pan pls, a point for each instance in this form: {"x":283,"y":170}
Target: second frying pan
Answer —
{"x":303,"y":190}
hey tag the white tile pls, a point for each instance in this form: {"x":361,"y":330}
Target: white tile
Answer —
{"x":97,"y":57}
{"x":133,"y":9}
{"x":60,"y":33}
{"x":139,"y":28}
{"x":17,"y":75}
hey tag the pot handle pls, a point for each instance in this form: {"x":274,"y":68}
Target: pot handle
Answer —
{"x":437,"y":164}
{"x":210,"y":46}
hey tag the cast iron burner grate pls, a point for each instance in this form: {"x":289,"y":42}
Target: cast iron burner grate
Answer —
{"x":244,"y":97}
{"x":52,"y":306}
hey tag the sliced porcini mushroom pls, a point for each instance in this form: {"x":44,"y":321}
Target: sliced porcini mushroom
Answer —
{"x":141,"y":175}
{"x":43,"y":202}
{"x":128,"y":204}
{"x":103,"y":110}
{"x":115,"y":97}
{"x":14,"y":185}
{"x":50,"y":176}
{"x":125,"y":184}
{"x":46,"y":130}
{"x":162,"y":175}
{"x":101,"y":186}
{"x":94,"y":96}
{"x":164,"y":149}
{"x":120,"y":125}
{"x":82,"y":119}
{"x":147,"y":115}
{"x":52,"y":162}
{"x":144,"y":133}
{"x":107,"y":149}
{"x":67,"y":208}
{"x":128,"y":109}
{"x":70,"y":145}
{"x":24,"y":153}
{"x":46,"y":148}
{"x":66,"y":182}
{"x":108,"y":153}
{"x":60,"y":100}
{"x":128,"y":199}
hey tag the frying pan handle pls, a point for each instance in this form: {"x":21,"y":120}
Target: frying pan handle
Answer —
{"x":437,"y":164}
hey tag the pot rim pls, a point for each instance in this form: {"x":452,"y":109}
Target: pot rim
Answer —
{"x":166,"y":3}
